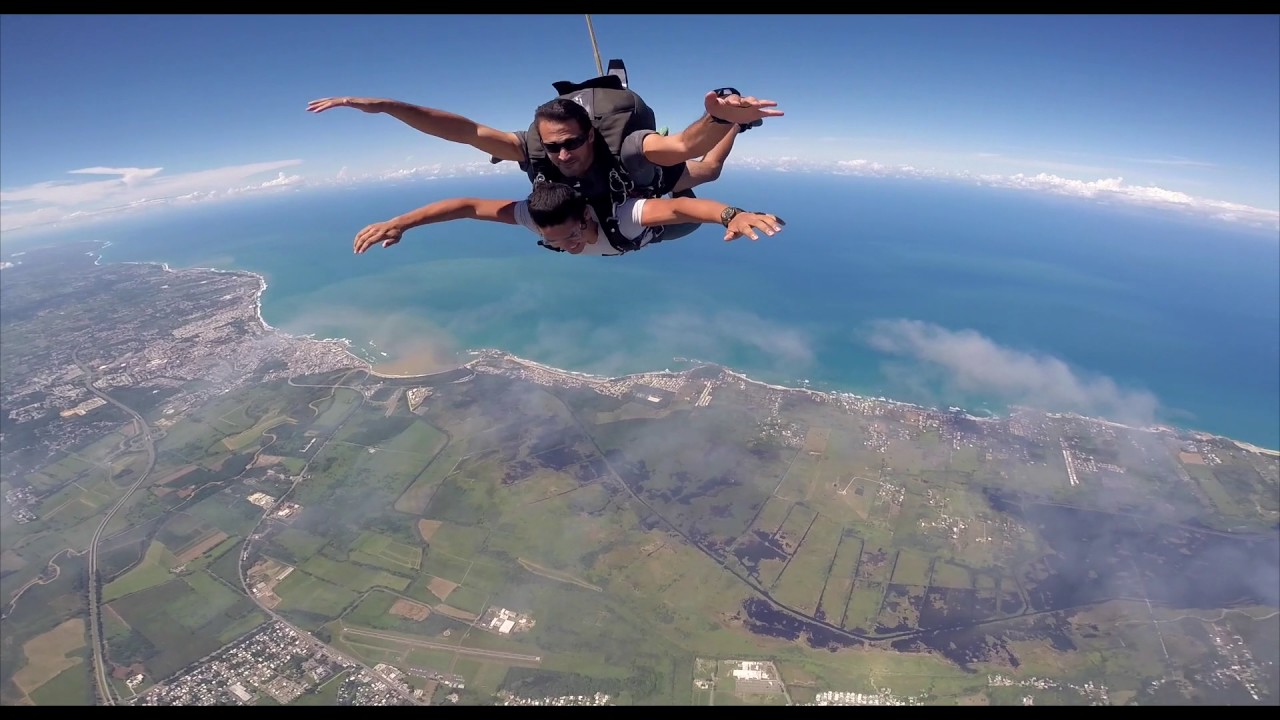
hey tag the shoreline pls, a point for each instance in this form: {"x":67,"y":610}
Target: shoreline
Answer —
{"x":347,"y":347}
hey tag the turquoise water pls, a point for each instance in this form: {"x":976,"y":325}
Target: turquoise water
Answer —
{"x":1132,"y":302}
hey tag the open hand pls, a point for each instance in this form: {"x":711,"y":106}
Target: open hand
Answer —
{"x":738,"y":109}
{"x":387,"y":233}
{"x":368,"y":105}
{"x":747,"y":223}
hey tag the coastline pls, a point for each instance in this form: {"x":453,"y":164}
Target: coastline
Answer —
{"x":347,"y":347}
{"x":344,"y":344}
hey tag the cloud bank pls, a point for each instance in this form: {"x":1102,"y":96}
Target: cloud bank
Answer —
{"x":1107,"y":189}
{"x":130,"y":189}
{"x":968,"y":362}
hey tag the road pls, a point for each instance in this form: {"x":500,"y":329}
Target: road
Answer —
{"x":244,"y":551}
{"x":95,"y":593}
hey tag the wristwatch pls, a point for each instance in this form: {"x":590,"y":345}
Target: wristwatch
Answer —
{"x":728,"y":214}
{"x":723,"y":92}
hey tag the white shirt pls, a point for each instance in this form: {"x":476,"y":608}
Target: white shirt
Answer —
{"x":629,"y":223}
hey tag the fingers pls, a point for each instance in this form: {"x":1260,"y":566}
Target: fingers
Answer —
{"x":372,"y":235}
{"x":747,"y":224}
{"x":325,"y":103}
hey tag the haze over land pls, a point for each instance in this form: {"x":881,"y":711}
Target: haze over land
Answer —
{"x":508,"y":532}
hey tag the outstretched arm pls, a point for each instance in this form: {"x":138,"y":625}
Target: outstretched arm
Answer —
{"x":674,"y":211}
{"x":699,"y":138}
{"x":444,"y":125}
{"x":389,"y":233}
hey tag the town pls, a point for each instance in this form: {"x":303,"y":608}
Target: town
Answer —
{"x":274,"y":662}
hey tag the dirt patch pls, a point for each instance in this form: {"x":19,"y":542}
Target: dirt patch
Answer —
{"x":815,"y":440}
{"x":441,"y":587}
{"x":410,"y":609}
{"x":161,"y":491}
{"x":47,"y":655}
{"x":266,"y":460}
{"x":430,"y":690}
{"x":455,"y":613}
{"x":1190,"y":458}
{"x":265,"y":566}
{"x":202,"y":547}
{"x":428,"y":528}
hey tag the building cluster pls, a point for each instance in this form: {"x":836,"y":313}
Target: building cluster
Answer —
{"x":447,"y":679}
{"x":393,"y":675}
{"x":1096,"y":694}
{"x":21,"y":500}
{"x":883,"y":696}
{"x":656,"y":389}
{"x":945,"y":522}
{"x":507,"y":698}
{"x":263,"y":579}
{"x":1023,"y":436}
{"x":185,"y":325}
{"x":505,"y":622}
{"x":273,"y":661}
{"x":1235,"y":663}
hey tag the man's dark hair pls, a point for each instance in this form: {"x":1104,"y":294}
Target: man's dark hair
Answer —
{"x":553,"y":203}
{"x":563,"y":110}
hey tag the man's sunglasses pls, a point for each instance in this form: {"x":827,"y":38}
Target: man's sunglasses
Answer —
{"x":571,"y":144}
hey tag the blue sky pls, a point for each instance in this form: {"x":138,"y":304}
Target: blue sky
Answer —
{"x":1179,"y":110}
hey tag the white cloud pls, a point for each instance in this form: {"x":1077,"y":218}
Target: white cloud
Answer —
{"x":130,"y":189}
{"x":134,"y":189}
{"x":969,"y":362}
{"x":1113,"y":189}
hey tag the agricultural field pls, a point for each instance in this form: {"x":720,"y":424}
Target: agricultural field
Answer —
{"x":544,"y":540}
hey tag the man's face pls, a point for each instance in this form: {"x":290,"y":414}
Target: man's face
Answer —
{"x":571,"y":236}
{"x":568,"y":147}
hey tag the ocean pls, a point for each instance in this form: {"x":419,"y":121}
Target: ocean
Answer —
{"x":945,"y":294}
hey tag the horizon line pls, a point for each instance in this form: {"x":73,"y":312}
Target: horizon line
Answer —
{"x":1235,"y":214}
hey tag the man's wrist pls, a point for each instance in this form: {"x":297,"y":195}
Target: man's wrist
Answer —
{"x":723,"y":92}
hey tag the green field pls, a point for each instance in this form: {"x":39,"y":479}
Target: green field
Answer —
{"x":801,"y":585}
{"x":152,"y":571}
{"x":407,"y":557}
{"x":912,"y":568}
{"x":335,"y":409}
{"x":352,"y":576}
{"x":311,"y":594}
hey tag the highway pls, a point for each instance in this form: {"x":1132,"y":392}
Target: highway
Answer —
{"x":95,"y":594}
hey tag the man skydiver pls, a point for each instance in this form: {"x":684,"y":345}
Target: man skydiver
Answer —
{"x":570,"y":138}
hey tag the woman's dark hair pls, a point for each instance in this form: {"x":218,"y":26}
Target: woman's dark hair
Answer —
{"x":553,"y":203}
